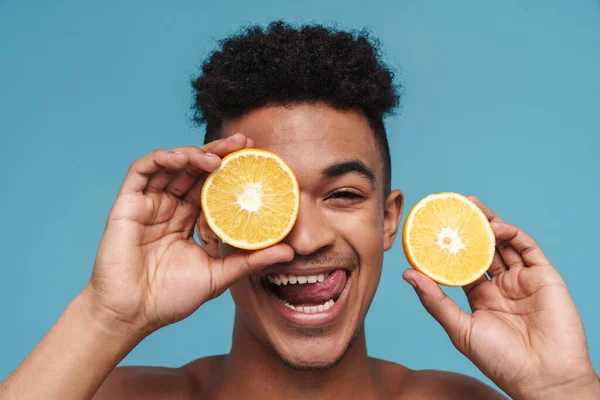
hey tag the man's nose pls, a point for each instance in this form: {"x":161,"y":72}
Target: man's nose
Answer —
{"x":311,"y":232}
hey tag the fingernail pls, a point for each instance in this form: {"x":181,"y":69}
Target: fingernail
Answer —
{"x":178,"y":152}
{"x":211,"y":154}
{"x":412,"y":283}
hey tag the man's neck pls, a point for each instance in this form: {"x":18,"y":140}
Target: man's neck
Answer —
{"x":253,"y":368}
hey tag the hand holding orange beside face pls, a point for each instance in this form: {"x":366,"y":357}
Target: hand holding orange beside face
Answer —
{"x":521,"y":309}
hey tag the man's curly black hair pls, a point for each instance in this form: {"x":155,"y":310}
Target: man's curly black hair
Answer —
{"x":285,"y":65}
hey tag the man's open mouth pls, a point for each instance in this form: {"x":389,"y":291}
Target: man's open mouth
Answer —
{"x":308,"y":294}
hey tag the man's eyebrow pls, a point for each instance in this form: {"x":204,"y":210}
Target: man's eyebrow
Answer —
{"x":346,"y":167}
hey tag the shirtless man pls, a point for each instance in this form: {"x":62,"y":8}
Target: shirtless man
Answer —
{"x":316,"y":97}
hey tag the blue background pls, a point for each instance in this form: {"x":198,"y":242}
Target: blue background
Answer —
{"x":501,"y":100}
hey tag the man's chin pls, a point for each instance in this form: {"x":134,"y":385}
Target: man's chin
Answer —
{"x":305,"y":365}
{"x":315,"y":360}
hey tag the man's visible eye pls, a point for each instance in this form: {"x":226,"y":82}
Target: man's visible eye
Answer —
{"x":345,"y":197}
{"x":346,"y":194}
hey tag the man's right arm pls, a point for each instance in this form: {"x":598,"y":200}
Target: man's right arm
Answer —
{"x":74,"y":357}
{"x":149,"y":272}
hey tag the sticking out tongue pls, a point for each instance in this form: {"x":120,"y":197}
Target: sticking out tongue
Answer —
{"x":313,"y":293}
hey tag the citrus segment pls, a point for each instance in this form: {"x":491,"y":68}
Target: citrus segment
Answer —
{"x":252,"y":200}
{"x":449,"y":239}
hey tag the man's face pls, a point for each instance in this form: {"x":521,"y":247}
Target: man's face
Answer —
{"x":343,"y":227}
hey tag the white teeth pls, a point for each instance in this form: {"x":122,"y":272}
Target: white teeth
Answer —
{"x":328,"y":305}
{"x":288,"y":305}
{"x":280,"y":279}
{"x":311,"y":309}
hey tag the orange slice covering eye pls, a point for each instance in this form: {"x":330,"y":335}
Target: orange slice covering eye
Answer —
{"x":252,"y":200}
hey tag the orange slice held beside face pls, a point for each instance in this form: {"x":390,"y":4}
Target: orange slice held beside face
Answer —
{"x":251,"y":202}
{"x":449,"y":239}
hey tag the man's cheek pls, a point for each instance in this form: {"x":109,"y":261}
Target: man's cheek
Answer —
{"x":242,"y":292}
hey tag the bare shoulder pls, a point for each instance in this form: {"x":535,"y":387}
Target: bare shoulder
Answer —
{"x":147,"y":383}
{"x":433,"y":384}
{"x":452,"y":385}
{"x":158,"y":382}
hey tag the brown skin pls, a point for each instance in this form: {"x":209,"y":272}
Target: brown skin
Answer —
{"x":352,"y":228}
{"x":328,"y":226}
{"x":524,"y":332}
{"x":204,"y":379}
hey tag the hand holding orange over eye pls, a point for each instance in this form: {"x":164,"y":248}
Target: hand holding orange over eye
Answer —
{"x":149,"y":270}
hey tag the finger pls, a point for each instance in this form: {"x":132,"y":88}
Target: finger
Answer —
{"x":468,"y":288}
{"x":243,"y":263}
{"x":222,"y":147}
{"x":496,"y":268}
{"x":526,"y":247}
{"x":200,"y":164}
{"x":193,"y":194}
{"x":442,"y":308}
{"x":140,"y":172}
{"x":183,"y":180}
{"x":510,"y":256}
{"x":159,"y":180}
{"x":498,"y":265}
{"x":491,"y":215}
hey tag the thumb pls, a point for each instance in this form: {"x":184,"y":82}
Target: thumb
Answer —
{"x":242,"y":263}
{"x":442,"y":308}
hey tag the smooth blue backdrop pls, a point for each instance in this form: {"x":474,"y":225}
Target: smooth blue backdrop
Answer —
{"x":501,"y":100}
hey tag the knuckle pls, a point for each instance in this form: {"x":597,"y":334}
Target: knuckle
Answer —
{"x":134,"y":166}
{"x":184,"y":149}
{"x":504,"y":245}
{"x":528,"y":249}
{"x":156,"y":152}
{"x":515,"y":264}
{"x":150,"y":156}
{"x":514,"y":231}
{"x":168,"y":171}
{"x":175,"y":191}
{"x":190,"y":172}
{"x":248,"y":259}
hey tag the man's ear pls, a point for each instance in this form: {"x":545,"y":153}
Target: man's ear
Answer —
{"x":208,"y":239}
{"x":392,"y":214}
